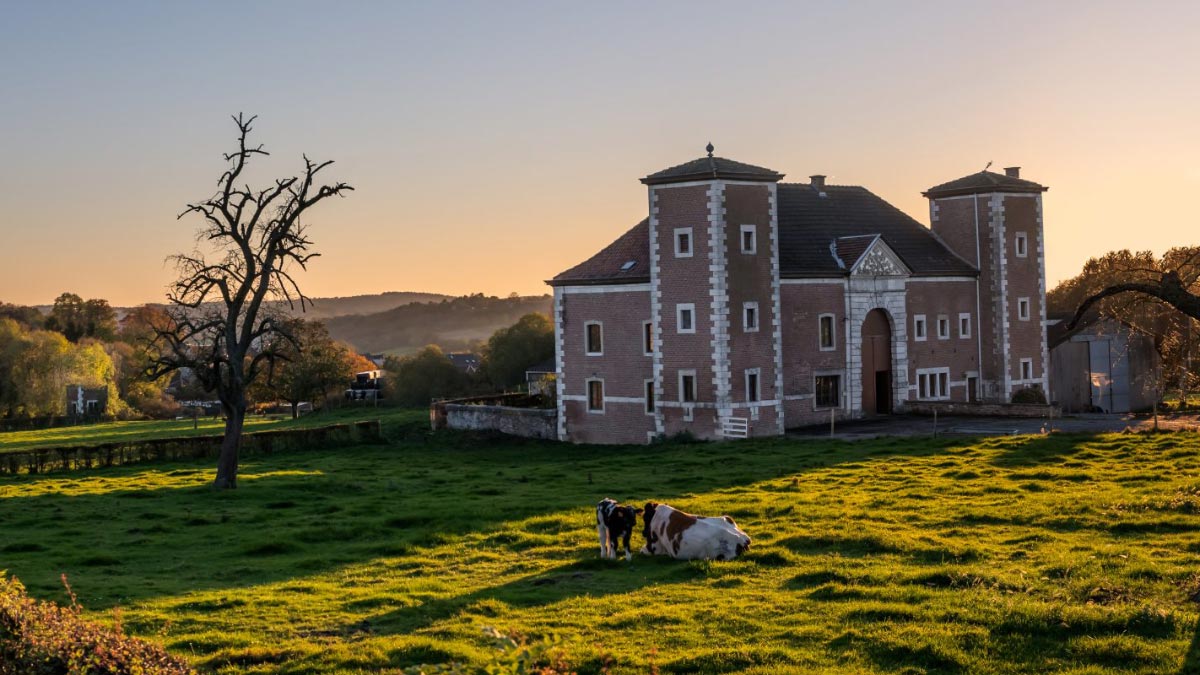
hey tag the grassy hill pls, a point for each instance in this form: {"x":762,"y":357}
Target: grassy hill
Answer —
{"x":454,"y":323}
{"x":1063,"y":554}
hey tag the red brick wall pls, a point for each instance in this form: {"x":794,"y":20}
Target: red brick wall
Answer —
{"x":685,"y":280}
{"x":949,"y":299}
{"x":624,"y":367}
{"x":749,"y":279}
{"x":1025,"y":337}
{"x":802,"y":306}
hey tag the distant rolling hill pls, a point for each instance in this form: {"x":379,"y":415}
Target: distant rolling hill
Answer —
{"x":327,"y":308}
{"x":452,"y":323}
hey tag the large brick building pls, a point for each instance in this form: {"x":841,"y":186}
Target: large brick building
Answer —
{"x":746,"y":305}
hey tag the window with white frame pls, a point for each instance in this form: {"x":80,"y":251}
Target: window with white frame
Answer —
{"x":752,"y":389}
{"x":685,"y":318}
{"x":648,"y":338}
{"x":827,"y":332}
{"x":919,"y":328}
{"x":649,"y":397}
{"x":683,"y":242}
{"x":593,"y":338}
{"x":964,"y":325}
{"x":1022,"y":245}
{"x":1026,"y":369}
{"x":1023,"y":309}
{"x":595,"y":396}
{"x":933,"y":384}
{"x":749,"y":239}
{"x":943,"y":327}
{"x":687,"y":386}
{"x":750,"y":317}
{"x":827,"y":391}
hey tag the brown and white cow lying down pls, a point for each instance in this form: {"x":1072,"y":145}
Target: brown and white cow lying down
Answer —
{"x":683,"y":536}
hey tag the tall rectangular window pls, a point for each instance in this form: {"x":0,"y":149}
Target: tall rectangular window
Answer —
{"x":964,"y":325}
{"x":685,"y":318}
{"x":595,"y":389}
{"x":1026,"y":369}
{"x":749,"y":239}
{"x":752,"y":390}
{"x":943,"y":327}
{"x":919,"y":327}
{"x":1023,"y":309}
{"x":594,"y":338}
{"x":828,"y":391}
{"x":687,"y":386}
{"x":750,"y":317}
{"x":648,"y":338}
{"x":1022,"y":245}
{"x":827,"y":332}
{"x":683,"y":242}
{"x":649,"y":397}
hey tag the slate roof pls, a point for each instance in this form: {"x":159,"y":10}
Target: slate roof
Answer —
{"x":808,"y":224}
{"x":707,"y":168}
{"x":982,"y":182}
{"x":850,"y":249}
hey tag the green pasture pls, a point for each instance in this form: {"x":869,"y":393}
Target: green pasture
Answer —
{"x":1058,"y":554}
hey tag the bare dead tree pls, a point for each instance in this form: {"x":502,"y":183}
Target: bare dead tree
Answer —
{"x":222,"y":320}
{"x":1170,"y":288}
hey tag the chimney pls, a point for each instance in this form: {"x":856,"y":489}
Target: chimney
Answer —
{"x":1012,"y":171}
{"x":818,"y":182}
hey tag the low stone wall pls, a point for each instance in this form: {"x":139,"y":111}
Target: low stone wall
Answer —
{"x":527,"y":422}
{"x":982,"y":409}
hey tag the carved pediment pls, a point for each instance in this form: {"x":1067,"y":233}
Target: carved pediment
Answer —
{"x":879,"y":260}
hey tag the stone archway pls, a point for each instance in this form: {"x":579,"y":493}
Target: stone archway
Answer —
{"x":877,"y":363}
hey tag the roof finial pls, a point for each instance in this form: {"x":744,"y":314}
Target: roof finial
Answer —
{"x":989,"y":165}
{"x":709,"y":148}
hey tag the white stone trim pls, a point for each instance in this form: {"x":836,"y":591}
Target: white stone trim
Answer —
{"x":689,"y":372}
{"x":587,"y":347}
{"x":1026,"y":378}
{"x":746,"y":327}
{"x":931,"y":280}
{"x":587,"y":395}
{"x":1041,"y":262}
{"x":776,"y":302}
{"x":604,"y":288}
{"x":1020,"y":238}
{"x":1004,"y":339}
{"x":943,"y":320}
{"x":560,"y":379}
{"x":691,"y":238}
{"x":718,"y":291}
{"x":656,"y":310}
{"x":922,"y":334}
{"x":757,"y":373}
{"x":812,"y":282}
{"x":652,"y":341}
{"x":931,"y":378}
{"x":607,"y":399}
{"x":1023,"y":309}
{"x":833,"y":332}
{"x":970,"y":331}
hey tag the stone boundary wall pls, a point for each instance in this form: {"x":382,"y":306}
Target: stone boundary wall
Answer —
{"x":983,"y":409}
{"x":527,"y":422}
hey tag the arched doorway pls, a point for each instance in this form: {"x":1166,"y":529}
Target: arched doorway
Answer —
{"x":877,"y":363}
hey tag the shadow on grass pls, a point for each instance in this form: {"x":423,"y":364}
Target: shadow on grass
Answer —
{"x":312,"y":511}
{"x":1025,"y":451}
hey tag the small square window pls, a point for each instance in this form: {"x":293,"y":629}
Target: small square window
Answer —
{"x":943,"y":327}
{"x":683,"y":242}
{"x":1023,"y":309}
{"x":595,"y":395}
{"x":827,"y":333}
{"x":749,"y":239}
{"x":828,"y":392}
{"x":685,"y":318}
{"x":752,"y":391}
{"x":648,"y":338}
{"x":919,"y":327}
{"x":594,"y":338}
{"x":687,"y":386}
{"x":1022,"y":245}
{"x":750,"y":317}
{"x":964,"y":325}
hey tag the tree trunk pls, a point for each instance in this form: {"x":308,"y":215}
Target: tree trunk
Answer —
{"x":227,"y":463}
{"x":295,"y":410}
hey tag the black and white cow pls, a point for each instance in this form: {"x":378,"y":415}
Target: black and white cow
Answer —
{"x":614,"y":523}
{"x":672,"y":532}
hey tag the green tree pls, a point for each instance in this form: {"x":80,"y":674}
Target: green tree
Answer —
{"x":29,"y":317}
{"x":77,"y":318}
{"x":418,"y":379}
{"x":512,"y":350}
{"x":310,"y":367}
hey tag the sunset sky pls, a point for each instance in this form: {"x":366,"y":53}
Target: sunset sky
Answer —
{"x":494,"y":144}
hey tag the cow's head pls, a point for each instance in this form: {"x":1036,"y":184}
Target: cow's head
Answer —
{"x":647,"y":518}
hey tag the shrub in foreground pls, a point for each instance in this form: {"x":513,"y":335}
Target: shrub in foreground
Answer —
{"x":1029,"y":395}
{"x":42,"y":638}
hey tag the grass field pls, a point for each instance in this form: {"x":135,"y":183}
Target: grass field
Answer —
{"x":1060,"y":554}
{"x":92,"y":434}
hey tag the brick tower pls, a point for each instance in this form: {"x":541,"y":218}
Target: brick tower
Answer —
{"x":994,"y":221}
{"x":714,"y":296}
